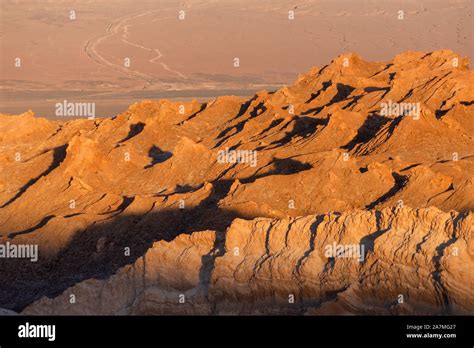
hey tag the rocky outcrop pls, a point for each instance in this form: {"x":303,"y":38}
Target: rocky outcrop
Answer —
{"x":376,"y":155}
{"x":393,"y":261}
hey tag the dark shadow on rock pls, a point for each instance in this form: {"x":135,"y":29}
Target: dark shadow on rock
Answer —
{"x":208,"y":261}
{"x":367,"y":131}
{"x":400,"y":182}
{"x":273,"y":124}
{"x":325,"y":86}
{"x":185,"y":188}
{"x":303,"y":127}
{"x":282,"y":166}
{"x":234,"y":129}
{"x":135,"y":129}
{"x":343,"y":91}
{"x":24,"y":282}
{"x":43,"y":222}
{"x":126,"y":201}
{"x":356,"y":98}
{"x":371,"y":89}
{"x":381,"y":71}
{"x":440,"y":284}
{"x":410,"y":167}
{"x":59,"y":154}
{"x":157,"y":156}
{"x":440,"y":113}
{"x":245,"y":106}
{"x":201,"y":109}
{"x":313,"y":230}
{"x":368,"y":241}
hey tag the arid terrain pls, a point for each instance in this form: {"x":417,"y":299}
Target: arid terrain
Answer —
{"x":114,"y":55}
{"x":349,"y":191}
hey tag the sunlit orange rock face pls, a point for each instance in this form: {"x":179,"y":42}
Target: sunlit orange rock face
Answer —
{"x":348,"y":192}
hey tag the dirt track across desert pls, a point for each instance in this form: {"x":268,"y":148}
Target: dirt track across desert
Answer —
{"x":189,"y":48}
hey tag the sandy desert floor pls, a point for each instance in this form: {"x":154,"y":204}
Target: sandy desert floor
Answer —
{"x":84,"y":59}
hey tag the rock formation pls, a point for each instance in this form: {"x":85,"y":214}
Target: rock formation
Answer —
{"x":350,"y":191}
